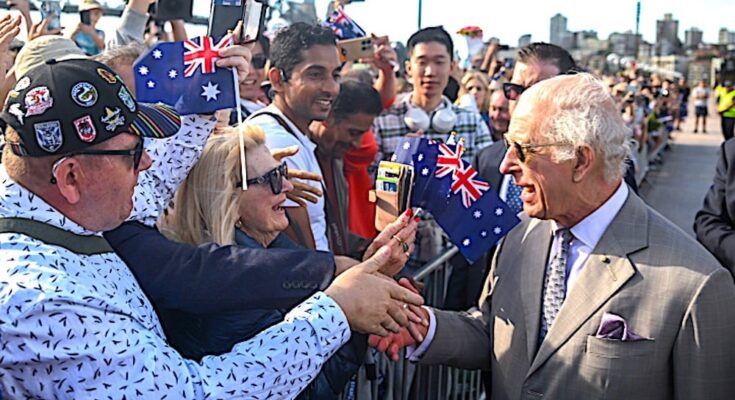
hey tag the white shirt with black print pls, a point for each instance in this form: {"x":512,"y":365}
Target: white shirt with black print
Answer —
{"x":79,"y":326}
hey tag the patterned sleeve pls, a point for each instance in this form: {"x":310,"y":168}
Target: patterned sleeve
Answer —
{"x":64,"y":349}
{"x":172,"y":159}
{"x":482,"y":137}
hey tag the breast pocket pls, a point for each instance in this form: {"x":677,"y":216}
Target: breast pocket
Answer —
{"x":611,"y":354}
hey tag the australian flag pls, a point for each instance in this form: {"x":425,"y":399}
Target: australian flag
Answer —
{"x":343,"y":26}
{"x":184,"y":76}
{"x":469,"y":211}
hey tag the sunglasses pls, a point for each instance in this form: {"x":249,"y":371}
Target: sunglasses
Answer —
{"x":522,"y":150}
{"x":136,"y":152}
{"x":274,"y":178}
{"x":512,"y":91}
{"x":258,"y":61}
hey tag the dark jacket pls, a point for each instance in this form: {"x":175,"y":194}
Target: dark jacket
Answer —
{"x":714,"y":224}
{"x":178,"y":276}
{"x":198,"y":335}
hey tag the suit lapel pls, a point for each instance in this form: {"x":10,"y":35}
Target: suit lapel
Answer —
{"x":606,"y":270}
{"x":538,"y":238}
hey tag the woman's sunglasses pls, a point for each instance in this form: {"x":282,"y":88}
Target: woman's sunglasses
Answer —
{"x":274,"y":178}
{"x":258,"y":61}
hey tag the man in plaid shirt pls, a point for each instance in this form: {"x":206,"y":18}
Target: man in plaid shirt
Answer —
{"x":430,"y":51}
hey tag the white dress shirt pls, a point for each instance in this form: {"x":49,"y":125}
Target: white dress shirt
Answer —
{"x":586,"y":233}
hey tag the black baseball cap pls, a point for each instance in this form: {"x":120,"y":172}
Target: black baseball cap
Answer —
{"x":61,"y":107}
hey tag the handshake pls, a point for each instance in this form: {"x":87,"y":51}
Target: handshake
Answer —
{"x":367,"y":294}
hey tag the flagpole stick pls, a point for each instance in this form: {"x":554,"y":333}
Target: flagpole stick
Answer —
{"x":243,"y":165}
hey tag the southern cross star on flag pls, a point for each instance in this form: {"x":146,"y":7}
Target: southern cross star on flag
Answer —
{"x":468,"y":210}
{"x":184,"y":76}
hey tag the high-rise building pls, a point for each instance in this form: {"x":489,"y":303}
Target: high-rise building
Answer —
{"x":558,"y":32}
{"x":667,"y":36}
{"x":624,"y":44}
{"x":692,"y":38}
{"x":726,"y":37}
{"x":524,"y":40}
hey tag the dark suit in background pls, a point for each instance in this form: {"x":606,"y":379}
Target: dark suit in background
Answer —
{"x":714,"y":224}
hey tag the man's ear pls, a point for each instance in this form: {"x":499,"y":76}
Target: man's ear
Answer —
{"x":583,"y":163}
{"x":408,"y":68}
{"x":275,"y":76}
{"x":69,"y":178}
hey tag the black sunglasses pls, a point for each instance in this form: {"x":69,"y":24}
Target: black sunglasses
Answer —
{"x":274,"y":177}
{"x":136,"y":152}
{"x":258,"y":61}
{"x":512,"y":91}
{"x":523,"y":149}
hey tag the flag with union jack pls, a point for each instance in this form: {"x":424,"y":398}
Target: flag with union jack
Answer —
{"x":184,"y":75}
{"x":468,"y":210}
{"x":343,"y":26}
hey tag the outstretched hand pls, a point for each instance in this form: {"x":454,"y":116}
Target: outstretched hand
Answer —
{"x":301,"y":192}
{"x":400,"y":236}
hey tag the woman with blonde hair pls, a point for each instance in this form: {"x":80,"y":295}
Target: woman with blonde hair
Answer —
{"x":476,"y":85}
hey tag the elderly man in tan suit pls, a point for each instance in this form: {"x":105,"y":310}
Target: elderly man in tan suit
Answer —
{"x":594,"y":295}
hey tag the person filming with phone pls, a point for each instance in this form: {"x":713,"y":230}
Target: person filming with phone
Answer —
{"x":85,"y":35}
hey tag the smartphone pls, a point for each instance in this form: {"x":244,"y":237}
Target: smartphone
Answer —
{"x":225,"y":14}
{"x":51,"y":8}
{"x":85,"y":17}
{"x":168,"y":10}
{"x":355,"y":49}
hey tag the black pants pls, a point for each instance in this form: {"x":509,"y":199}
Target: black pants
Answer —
{"x":728,"y":126}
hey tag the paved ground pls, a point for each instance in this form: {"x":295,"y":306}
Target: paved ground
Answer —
{"x":676,"y":189}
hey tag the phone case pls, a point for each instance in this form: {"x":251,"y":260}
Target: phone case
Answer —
{"x":355,"y":49}
{"x":392,"y":193}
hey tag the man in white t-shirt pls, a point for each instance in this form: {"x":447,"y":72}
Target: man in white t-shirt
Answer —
{"x":701,"y":96}
{"x":304,"y":73}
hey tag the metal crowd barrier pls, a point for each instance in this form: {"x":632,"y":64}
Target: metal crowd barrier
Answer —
{"x":404,"y":380}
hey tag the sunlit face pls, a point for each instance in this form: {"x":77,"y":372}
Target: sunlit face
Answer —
{"x":261,"y":212}
{"x":95,"y":15}
{"x":477,"y":90}
{"x":429,"y":68}
{"x":338,"y":137}
{"x":528,"y":74}
{"x":312,"y":86}
{"x":499,"y":112}
{"x":546,"y":184}
{"x":250,"y":88}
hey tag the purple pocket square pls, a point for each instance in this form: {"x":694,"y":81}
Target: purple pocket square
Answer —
{"x":615,"y":327}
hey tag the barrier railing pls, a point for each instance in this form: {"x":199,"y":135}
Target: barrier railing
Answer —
{"x":404,"y":380}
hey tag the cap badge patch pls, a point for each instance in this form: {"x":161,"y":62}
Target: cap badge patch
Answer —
{"x":13,"y":93}
{"x":85,"y":129}
{"x":106,"y":75}
{"x":48,"y":135}
{"x":126,"y":98}
{"x":84,"y":94}
{"x":23,"y":83}
{"x":113,"y":118}
{"x":38,"y":100}
{"x":15,"y":111}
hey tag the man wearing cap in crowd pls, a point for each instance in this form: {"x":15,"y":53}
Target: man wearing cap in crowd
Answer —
{"x":74,"y":321}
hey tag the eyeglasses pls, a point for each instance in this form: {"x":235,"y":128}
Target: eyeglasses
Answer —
{"x":136,"y":152}
{"x":523,"y":149}
{"x":274,"y":177}
{"x":258,"y":61}
{"x":512,"y":91}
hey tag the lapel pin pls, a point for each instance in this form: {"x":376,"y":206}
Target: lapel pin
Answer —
{"x":605,"y":259}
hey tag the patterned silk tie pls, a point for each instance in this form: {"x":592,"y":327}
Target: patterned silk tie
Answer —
{"x":555,"y":282}
{"x":513,"y":196}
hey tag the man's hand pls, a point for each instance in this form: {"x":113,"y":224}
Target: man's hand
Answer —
{"x":237,"y":57}
{"x":400,"y":231}
{"x":41,"y":29}
{"x":384,"y":58}
{"x":372,"y":303}
{"x":413,"y":335}
{"x":301,"y":192}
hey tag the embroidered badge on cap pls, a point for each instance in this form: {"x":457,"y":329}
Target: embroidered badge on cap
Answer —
{"x":106,"y":75}
{"x":113,"y":118}
{"x":126,"y":98}
{"x":23,"y":83}
{"x":38,"y":100}
{"x":48,"y":135}
{"x":13,"y":93}
{"x":84,"y":94}
{"x":15,"y":111}
{"x":85,"y":129}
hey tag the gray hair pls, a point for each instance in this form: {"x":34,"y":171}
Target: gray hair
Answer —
{"x":126,"y":54}
{"x":577,"y":109}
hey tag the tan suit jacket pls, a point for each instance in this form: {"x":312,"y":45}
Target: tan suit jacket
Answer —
{"x":666,"y":286}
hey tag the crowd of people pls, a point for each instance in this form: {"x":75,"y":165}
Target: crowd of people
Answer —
{"x":147,"y":254}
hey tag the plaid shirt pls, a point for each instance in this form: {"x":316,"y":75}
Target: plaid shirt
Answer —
{"x":389,"y":127}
